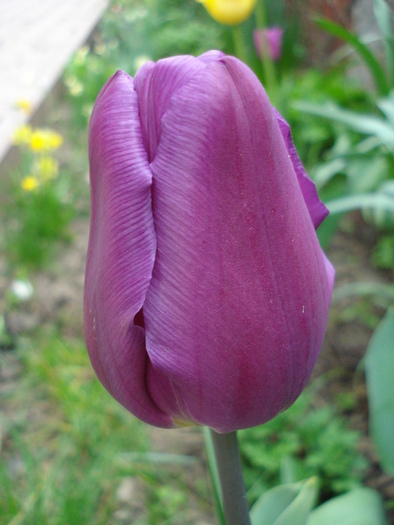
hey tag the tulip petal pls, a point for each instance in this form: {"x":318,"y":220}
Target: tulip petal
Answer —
{"x":155,"y":84}
{"x":121,"y":249}
{"x":237,"y":307}
{"x":317,"y":210}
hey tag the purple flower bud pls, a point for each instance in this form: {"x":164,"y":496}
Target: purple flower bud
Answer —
{"x":207,"y":293}
{"x":269,"y":41}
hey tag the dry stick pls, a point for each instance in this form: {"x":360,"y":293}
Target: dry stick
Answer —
{"x":235,"y":504}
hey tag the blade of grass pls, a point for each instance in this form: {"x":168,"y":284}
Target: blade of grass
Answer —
{"x":355,"y":202}
{"x":384,"y":19}
{"x":365,"y":124}
{"x":373,"y":65}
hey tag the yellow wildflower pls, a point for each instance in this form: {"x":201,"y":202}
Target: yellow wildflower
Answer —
{"x":44,"y":140}
{"x":22,"y":135}
{"x":29,"y":183}
{"x":230,"y":12}
{"x":25,"y":105}
{"x":46,"y":167}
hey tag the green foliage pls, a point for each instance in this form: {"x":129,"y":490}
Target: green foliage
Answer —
{"x":315,"y":137}
{"x":375,"y":68}
{"x":361,"y":156}
{"x":383,"y":253}
{"x":379,"y":369}
{"x":38,"y":206}
{"x":300,"y":443}
{"x":361,"y":506}
{"x":35,"y":221}
{"x":69,"y":445}
{"x":166,"y":504}
{"x":67,"y":466}
{"x":288,"y":504}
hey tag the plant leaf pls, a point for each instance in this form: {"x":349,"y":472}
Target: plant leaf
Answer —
{"x":364,"y":289}
{"x":379,"y":369}
{"x":386,"y":105}
{"x":384,"y":18}
{"x":355,"y":202}
{"x":365,"y":124}
{"x":374,"y":67}
{"x":359,"y":507}
{"x":288,"y":504}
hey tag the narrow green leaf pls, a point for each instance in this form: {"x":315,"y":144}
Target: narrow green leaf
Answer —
{"x":374,"y":67}
{"x":158,"y":458}
{"x":379,"y":369}
{"x":384,"y":18}
{"x":359,"y":507}
{"x":355,"y":202}
{"x":365,"y":124}
{"x":386,"y":105}
{"x":298,"y":511}
{"x":214,"y":474}
{"x":327,"y":171}
{"x":288,"y":504}
{"x":364,"y":290}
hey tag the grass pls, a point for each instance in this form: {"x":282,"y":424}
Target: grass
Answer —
{"x":66,"y":445}
{"x":69,"y":450}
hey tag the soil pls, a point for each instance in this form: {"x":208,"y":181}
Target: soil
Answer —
{"x":57,"y":300}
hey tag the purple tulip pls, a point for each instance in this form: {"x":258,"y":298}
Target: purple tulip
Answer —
{"x":269,"y":41}
{"x":207,"y":293}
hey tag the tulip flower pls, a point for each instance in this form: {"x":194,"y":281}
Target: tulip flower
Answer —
{"x":206,"y":293}
{"x":269,"y":41}
{"x":229,"y":12}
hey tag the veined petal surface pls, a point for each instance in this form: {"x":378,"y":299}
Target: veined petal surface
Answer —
{"x":237,"y":306}
{"x":121,"y":249}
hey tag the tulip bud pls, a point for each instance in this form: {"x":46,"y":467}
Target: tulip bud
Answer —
{"x":229,"y":12}
{"x":268,"y":42}
{"x":206,"y":292}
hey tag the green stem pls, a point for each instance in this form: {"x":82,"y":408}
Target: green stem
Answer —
{"x":239,"y":44}
{"x":268,"y":66}
{"x":235,"y":504}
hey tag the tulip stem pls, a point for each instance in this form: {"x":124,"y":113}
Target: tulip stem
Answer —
{"x":228,"y":461}
{"x":239,"y":44}
{"x":268,"y":66}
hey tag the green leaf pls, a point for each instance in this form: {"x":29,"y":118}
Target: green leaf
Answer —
{"x":384,"y":18}
{"x":364,"y":289}
{"x":327,"y":171}
{"x":288,"y":504}
{"x":359,"y":507}
{"x":374,"y":67}
{"x":379,"y":369}
{"x":386,"y":105}
{"x":365,"y":124}
{"x":355,"y":202}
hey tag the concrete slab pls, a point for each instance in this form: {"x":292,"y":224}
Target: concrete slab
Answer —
{"x":37,"y":40}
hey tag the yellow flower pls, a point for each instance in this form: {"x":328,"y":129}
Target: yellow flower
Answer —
{"x":44,"y":140}
{"x":25,"y":105}
{"x":22,"y":135}
{"x":29,"y":183}
{"x":46,"y":167}
{"x":230,"y":12}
